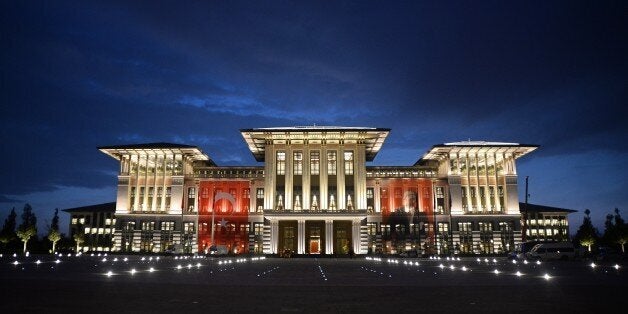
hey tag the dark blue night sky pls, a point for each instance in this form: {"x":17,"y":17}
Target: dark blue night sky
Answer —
{"x":77,"y":75}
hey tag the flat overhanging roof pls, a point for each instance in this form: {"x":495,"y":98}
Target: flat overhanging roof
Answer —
{"x":189,"y":151}
{"x":442,"y":151}
{"x":372,"y":138}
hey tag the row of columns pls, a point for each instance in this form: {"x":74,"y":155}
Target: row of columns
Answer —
{"x":329,"y":236}
{"x":359,"y":176}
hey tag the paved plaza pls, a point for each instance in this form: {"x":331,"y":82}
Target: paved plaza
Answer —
{"x":167,"y":284}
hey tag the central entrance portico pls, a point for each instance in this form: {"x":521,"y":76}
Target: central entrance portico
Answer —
{"x":316,"y":234}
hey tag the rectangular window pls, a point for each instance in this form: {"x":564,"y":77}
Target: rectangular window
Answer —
{"x":348,"y":162}
{"x":148,"y":225}
{"x":297,"y":163}
{"x":500,"y":190}
{"x":331,"y":163}
{"x":259,"y":228}
{"x":465,"y":201}
{"x":315,"y":162}
{"x":483,"y":198}
{"x":281,"y":163}
{"x":259,"y":199}
{"x":191,"y":198}
{"x":440,"y":200}
{"x":474,"y":201}
{"x":188,"y":228}
{"x":491,"y":197}
{"x":167,"y":225}
{"x":168,"y":194}
{"x":132,"y":198}
{"x":370,"y":199}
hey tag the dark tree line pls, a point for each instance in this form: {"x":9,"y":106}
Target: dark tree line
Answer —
{"x":615,"y":233}
{"x":24,"y":237}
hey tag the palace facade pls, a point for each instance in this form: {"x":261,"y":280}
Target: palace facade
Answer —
{"x":315,"y":194}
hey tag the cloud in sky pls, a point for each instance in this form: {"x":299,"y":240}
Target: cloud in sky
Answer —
{"x":76,"y":76}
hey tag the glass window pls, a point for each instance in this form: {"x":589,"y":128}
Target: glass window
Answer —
{"x":331,"y":162}
{"x":297,"y":163}
{"x":281,"y":163}
{"x":315,"y":162}
{"x":348,"y":162}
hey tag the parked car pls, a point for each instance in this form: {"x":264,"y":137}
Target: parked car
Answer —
{"x":218,"y":250}
{"x":410,"y":253}
{"x":552,"y":251}
{"x":609,"y":254}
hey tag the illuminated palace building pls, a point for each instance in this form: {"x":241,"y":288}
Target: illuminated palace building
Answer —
{"x":315,"y":194}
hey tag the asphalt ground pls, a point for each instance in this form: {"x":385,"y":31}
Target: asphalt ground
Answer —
{"x":126,"y":284}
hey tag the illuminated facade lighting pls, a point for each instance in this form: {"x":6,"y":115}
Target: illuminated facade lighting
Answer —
{"x":315,"y":194}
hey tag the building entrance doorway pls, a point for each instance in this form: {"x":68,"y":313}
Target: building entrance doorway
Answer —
{"x":315,"y":246}
{"x":314,"y":237}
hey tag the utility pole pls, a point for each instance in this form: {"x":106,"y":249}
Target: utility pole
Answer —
{"x":212,"y":245}
{"x":525,"y":214}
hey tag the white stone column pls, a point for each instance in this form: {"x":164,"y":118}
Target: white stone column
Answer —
{"x":455,"y":193}
{"x":288,"y":197}
{"x":305,"y":198}
{"x":301,"y":237}
{"x":359,"y":174}
{"x":356,"y":236}
{"x":176,"y":195}
{"x":274,"y":236}
{"x":377,"y":197}
{"x":340,"y":179}
{"x":329,"y":237}
{"x":511,"y":195}
{"x":269,"y":177}
{"x":122,"y":206}
{"x":323,"y":179}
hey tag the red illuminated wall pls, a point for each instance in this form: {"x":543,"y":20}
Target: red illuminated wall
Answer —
{"x":392,"y":193}
{"x":230,"y":218}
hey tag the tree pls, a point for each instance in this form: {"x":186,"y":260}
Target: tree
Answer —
{"x":587,"y":235}
{"x":79,"y":236}
{"x":8,"y":229}
{"x":28,"y":228}
{"x":53,"y":234}
{"x":620,"y":231}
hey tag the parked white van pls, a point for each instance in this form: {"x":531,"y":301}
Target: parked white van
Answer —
{"x":552,"y":250}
